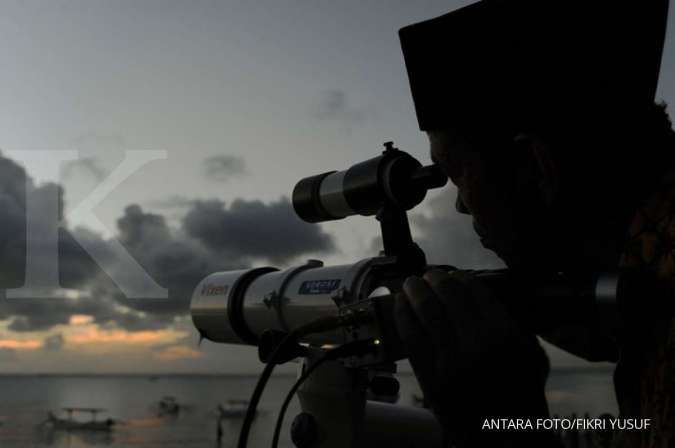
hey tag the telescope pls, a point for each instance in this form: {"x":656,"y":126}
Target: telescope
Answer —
{"x":344,"y":312}
{"x":239,"y":306}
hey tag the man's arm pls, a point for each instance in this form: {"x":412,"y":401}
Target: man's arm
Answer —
{"x":472,"y":360}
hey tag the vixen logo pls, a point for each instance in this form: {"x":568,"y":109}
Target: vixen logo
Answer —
{"x":215,"y":290}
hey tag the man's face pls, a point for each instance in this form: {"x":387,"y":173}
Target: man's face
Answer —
{"x":496,"y":184}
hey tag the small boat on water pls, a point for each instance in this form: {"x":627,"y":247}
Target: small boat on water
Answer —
{"x":168,"y":406}
{"x":69,"y":423}
{"x":233,"y":409}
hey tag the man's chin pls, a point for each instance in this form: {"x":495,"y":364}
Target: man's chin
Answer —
{"x":522,"y":257}
{"x":506,"y":255}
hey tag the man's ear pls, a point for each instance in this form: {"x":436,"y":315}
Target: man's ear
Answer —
{"x":547,"y":174}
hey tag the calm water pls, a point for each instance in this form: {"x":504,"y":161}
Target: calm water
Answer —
{"x":26,"y":400}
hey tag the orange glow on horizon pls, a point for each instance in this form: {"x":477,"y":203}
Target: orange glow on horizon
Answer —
{"x":80,"y":319}
{"x":93,"y":335}
{"x":178,"y":352}
{"x":16,"y":344}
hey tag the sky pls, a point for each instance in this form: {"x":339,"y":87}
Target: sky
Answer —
{"x":243,"y":99}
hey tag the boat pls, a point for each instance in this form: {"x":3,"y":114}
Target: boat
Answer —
{"x":233,"y":409}
{"x":168,"y":406}
{"x":69,"y":423}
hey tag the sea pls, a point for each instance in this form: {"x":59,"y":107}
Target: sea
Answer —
{"x":133,"y":401}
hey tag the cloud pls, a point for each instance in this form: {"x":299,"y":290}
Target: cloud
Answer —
{"x":223,"y":168}
{"x":249,"y":230}
{"x":211,"y":237}
{"x":334,"y":105}
{"x":33,"y":314}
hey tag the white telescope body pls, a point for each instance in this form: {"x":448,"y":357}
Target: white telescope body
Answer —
{"x":236,"y":307}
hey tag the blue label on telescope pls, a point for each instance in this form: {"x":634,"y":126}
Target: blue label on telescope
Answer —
{"x":319,"y":286}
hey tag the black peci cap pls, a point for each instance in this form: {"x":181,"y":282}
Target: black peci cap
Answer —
{"x":526,"y":62}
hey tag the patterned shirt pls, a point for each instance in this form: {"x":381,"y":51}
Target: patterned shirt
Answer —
{"x":645,"y":374}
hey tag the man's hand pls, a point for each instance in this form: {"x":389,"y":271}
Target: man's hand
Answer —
{"x":471,"y":358}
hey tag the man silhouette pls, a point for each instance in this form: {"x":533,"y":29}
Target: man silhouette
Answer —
{"x":542,"y":114}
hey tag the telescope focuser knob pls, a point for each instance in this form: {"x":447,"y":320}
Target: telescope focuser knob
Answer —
{"x":270,"y":340}
{"x":389,"y":146}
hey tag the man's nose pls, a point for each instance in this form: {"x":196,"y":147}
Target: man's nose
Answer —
{"x":460,"y":207}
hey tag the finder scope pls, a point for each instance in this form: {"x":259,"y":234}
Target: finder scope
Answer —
{"x":393,"y":178}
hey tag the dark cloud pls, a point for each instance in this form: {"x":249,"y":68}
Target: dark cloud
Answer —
{"x":12,"y":211}
{"x":335,"y":105}
{"x":224,"y":167}
{"x":35,"y":314}
{"x":14,"y":187}
{"x":254,"y":230}
{"x":211,"y":237}
{"x":37,"y":317}
{"x":137,"y":228}
{"x":172,"y":258}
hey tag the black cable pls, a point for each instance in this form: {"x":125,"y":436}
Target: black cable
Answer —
{"x":316,"y":326}
{"x":348,"y":349}
{"x":257,"y":392}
